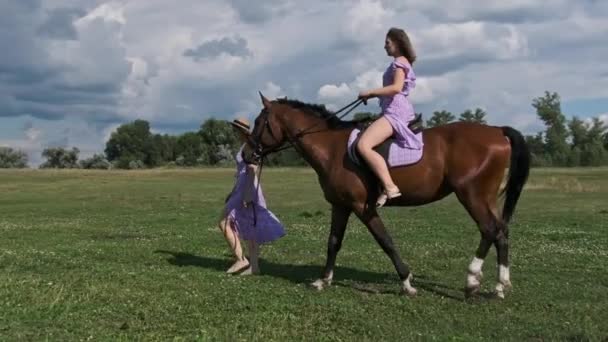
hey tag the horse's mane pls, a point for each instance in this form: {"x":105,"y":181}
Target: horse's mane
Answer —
{"x":320,"y":111}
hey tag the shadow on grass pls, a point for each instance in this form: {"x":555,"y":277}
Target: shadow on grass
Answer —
{"x":360,"y":280}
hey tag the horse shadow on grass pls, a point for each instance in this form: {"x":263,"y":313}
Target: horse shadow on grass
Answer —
{"x":359,"y":280}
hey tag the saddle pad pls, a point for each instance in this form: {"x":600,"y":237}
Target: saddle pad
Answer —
{"x":394,"y":153}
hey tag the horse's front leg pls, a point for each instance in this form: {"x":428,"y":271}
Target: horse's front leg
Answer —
{"x":339,"y":219}
{"x":375,"y":226}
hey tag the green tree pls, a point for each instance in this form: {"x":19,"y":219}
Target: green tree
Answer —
{"x":131,"y":142}
{"x":440,"y":118}
{"x":190,"y":150}
{"x":587,"y":142}
{"x":362,"y":116}
{"x":97,"y":161}
{"x":594,"y":153}
{"x":12,"y":159}
{"x":478,"y":116}
{"x":466,"y":116}
{"x":221,"y":141}
{"x":537,"y":149}
{"x":548,"y":109}
{"x":578,"y":133}
{"x":160,"y":149}
{"x":60,"y":158}
{"x":166,"y":145}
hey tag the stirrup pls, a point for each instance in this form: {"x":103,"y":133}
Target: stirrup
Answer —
{"x":385,"y":196}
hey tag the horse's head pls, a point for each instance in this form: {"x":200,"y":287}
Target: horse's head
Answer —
{"x":267,"y":135}
{"x":287,"y":121}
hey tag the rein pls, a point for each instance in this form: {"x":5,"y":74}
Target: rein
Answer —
{"x":351,"y":105}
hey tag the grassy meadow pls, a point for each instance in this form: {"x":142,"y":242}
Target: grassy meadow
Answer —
{"x":137,"y":255}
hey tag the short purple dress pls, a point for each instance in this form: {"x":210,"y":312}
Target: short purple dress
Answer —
{"x":397,"y":109}
{"x":268,"y":227}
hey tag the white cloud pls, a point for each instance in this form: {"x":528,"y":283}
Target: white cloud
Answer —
{"x":272,"y":91}
{"x":368,"y":80}
{"x":366,"y":20}
{"x":475,"y":40}
{"x":330,"y":91}
{"x":426,"y":90}
{"x":603,"y":118}
{"x":429,"y":89}
{"x":336,"y":96}
{"x":111,"y":11}
{"x":128,"y":59}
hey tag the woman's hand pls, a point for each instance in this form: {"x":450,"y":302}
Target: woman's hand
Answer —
{"x":247,"y":201}
{"x":247,"y":197}
{"x":365,"y":95}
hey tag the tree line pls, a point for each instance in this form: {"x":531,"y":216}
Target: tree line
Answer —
{"x":573,"y":142}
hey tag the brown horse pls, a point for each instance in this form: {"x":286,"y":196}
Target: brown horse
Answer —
{"x":465,"y":158}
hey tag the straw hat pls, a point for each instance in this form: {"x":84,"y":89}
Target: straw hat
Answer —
{"x":242,"y":124}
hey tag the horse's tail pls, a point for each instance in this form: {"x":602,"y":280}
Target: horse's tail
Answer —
{"x":519,"y":170}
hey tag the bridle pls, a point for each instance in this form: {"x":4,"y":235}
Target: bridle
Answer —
{"x":259,"y":151}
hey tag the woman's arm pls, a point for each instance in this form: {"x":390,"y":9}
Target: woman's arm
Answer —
{"x":389,"y":90}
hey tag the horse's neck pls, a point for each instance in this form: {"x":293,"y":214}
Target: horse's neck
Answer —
{"x":315,"y":145}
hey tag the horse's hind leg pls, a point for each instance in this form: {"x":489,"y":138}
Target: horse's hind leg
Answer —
{"x":502,"y":254}
{"x":375,"y":226}
{"x":482,"y":209}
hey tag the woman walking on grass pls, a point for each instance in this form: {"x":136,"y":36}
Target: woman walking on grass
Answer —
{"x":245,"y":215}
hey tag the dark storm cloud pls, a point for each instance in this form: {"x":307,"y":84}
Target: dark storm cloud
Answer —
{"x":233,"y":46}
{"x":86,"y":80}
{"x":59,"y":24}
{"x":257,"y":12}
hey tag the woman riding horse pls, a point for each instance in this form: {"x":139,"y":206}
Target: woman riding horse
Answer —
{"x":467,"y":159}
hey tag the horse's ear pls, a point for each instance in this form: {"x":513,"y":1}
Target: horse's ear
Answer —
{"x":265,"y":101}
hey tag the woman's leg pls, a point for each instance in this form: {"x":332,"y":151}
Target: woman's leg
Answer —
{"x":373,"y":136}
{"x":235,"y":245}
{"x":254,"y":252}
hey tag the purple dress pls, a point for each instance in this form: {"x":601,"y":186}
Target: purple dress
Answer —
{"x":397,"y":109}
{"x":268,"y":228}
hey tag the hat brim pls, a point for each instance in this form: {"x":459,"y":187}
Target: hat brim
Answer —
{"x":240,"y":126}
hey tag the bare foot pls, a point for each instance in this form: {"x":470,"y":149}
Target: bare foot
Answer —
{"x":237,"y":266}
{"x":250,"y":271}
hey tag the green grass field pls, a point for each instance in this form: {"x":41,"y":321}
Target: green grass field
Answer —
{"x":88,"y":255}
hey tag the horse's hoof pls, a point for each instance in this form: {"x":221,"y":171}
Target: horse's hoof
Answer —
{"x":474,"y":279}
{"x":470,"y":292}
{"x":407,"y":288}
{"x":501,"y":288}
{"x":319,"y":284}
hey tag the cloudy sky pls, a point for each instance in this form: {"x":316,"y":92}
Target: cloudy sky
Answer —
{"x":71,"y":71}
